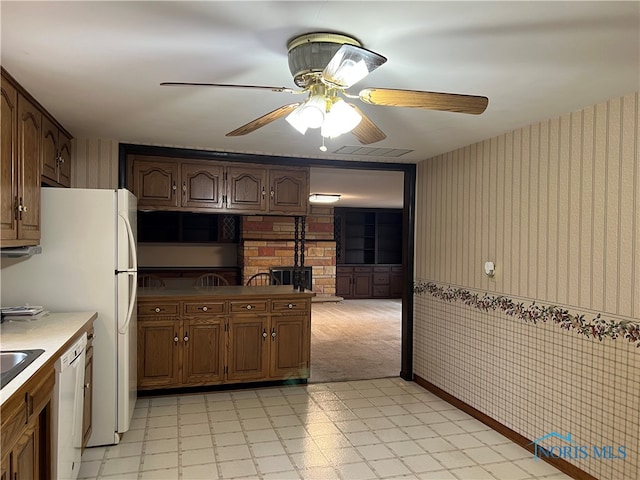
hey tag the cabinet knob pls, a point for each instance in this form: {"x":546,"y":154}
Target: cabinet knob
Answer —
{"x":176,"y":339}
{"x":174,"y":187}
{"x":291,"y":305}
{"x":186,"y":338}
{"x":184,"y":188}
{"x":263,"y":192}
{"x":273,"y":334}
{"x":205,"y":308}
{"x":249,"y":307}
{"x":87,"y":386}
{"x":264,"y":334}
{"x":272,"y":193}
{"x":157,"y":310}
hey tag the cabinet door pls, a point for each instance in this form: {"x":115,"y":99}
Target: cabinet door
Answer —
{"x":88,"y":397}
{"x":158,"y":353}
{"x":25,"y":455}
{"x":5,"y":474}
{"x":8,"y":166}
{"x":289,"y":338}
{"x":361,"y":284}
{"x":288,"y":191}
{"x":155,"y":183}
{"x":50,"y":150}
{"x":396,"y":282}
{"x":343,"y":284}
{"x":203,"y":355}
{"x":64,"y":163}
{"x":248,"y":348}
{"x":246,"y":188}
{"x":29,"y":142}
{"x":201,"y":185}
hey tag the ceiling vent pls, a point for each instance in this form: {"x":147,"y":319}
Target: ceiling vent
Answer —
{"x":372,"y":151}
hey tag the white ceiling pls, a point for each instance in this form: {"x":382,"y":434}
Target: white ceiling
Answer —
{"x":96,"y":66}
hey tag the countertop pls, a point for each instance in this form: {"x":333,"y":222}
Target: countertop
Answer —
{"x":52,"y":333}
{"x":226,"y":292}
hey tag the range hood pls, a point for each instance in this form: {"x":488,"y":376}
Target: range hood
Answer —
{"x":15,"y":252}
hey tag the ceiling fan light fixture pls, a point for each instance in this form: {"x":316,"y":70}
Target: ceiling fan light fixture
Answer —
{"x":351,"y":64}
{"x":341,"y":118}
{"x":324,"y":197}
{"x":310,"y":114}
{"x":310,"y":54}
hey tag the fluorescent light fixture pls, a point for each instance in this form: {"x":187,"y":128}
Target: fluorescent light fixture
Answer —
{"x":324,"y":197}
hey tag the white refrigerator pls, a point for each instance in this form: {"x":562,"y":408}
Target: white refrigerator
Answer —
{"x":88,"y":263}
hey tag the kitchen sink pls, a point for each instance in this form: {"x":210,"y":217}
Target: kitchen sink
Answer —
{"x":12,"y":362}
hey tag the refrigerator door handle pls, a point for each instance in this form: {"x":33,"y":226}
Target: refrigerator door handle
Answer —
{"x":132,"y":242}
{"x":123,"y":330}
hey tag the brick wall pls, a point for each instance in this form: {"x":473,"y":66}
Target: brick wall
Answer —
{"x":268,"y":241}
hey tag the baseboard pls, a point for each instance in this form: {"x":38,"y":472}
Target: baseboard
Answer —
{"x":559,"y":463}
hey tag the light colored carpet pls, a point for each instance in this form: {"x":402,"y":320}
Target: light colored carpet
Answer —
{"x":355,"y":340}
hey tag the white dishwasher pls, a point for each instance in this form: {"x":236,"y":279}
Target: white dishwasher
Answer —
{"x":68,"y":398}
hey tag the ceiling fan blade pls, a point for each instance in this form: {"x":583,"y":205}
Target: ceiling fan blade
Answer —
{"x":448,"y":102}
{"x":229,"y":85}
{"x":366,"y":131}
{"x":351,"y":64}
{"x":263,"y":120}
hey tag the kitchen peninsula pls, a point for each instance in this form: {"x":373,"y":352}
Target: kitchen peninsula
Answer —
{"x":191,"y":337}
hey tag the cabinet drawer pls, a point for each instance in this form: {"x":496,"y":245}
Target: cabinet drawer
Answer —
{"x":380,"y":269}
{"x":344,"y":269}
{"x":157,"y":308}
{"x":381,"y":279}
{"x":381,"y":290}
{"x":40,"y":394}
{"x":362,"y":269}
{"x":289,"y":305}
{"x":206,"y":308}
{"x":248,"y":307}
{"x":396,"y":269}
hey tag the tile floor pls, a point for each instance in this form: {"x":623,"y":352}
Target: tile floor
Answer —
{"x":367,"y":429}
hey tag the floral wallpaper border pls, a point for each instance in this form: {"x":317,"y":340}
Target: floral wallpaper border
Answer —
{"x":597,"y":327}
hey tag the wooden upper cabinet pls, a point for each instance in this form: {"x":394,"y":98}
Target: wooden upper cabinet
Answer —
{"x":29,"y":142}
{"x":289,"y":191}
{"x":8,"y":161}
{"x":56,"y":154}
{"x":202,"y":185}
{"x":21,"y":142}
{"x":155,"y":183}
{"x":247,"y":188}
{"x":197,"y":185}
{"x":29,"y":138}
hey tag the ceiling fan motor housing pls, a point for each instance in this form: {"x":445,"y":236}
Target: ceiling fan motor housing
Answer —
{"x":310,"y":53}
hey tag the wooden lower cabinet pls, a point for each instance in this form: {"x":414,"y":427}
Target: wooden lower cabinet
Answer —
{"x":203,"y":351}
{"x":369,"y":281}
{"x":87,"y":411}
{"x":290,"y":337}
{"x":158,"y":352}
{"x":248,"y":348}
{"x":26,"y":430}
{"x":213,"y":342}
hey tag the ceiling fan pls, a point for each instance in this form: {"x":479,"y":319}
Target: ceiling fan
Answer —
{"x":324,"y":66}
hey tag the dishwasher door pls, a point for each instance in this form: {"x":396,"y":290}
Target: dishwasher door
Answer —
{"x":68,"y":411}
